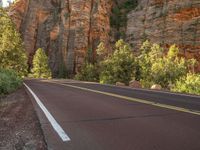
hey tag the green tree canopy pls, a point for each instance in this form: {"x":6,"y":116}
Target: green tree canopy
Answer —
{"x":119,"y":66}
{"x":40,"y":65}
{"x":101,"y":50}
{"x":188,"y":84}
{"x":157,"y":68}
{"x":12,"y":53}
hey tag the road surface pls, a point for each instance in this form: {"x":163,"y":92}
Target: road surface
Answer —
{"x":103,"y":117}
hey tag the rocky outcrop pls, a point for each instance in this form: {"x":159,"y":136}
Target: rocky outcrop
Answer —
{"x":166,"y":22}
{"x":135,"y":84}
{"x":69,"y":30}
{"x":65,"y":29}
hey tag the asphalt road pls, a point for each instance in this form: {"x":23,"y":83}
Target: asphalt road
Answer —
{"x":96,"y":121}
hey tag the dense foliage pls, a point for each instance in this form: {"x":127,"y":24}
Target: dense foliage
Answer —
{"x":12,"y":53}
{"x":89,"y":72}
{"x":155,"y":67}
{"x":40,"y":65}
{"x":118,"y":67}
{"x":9,"y":81}
{"x":188,"y":84}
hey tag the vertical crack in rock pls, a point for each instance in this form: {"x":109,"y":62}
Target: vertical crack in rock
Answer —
{"x":90,"y":24}
{"x":67,"y":29}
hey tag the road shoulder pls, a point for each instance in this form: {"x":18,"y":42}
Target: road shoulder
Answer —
{"x":19,"y":124}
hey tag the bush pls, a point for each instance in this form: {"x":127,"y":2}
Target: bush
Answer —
{"x":188,"y":84}
{"x":12,"y":52}
{"x":40,"y":65}
{"x":119,"y":66}
{"x":166,"y":71}
{"x":9,"y":81}
{"x":89,"y":72}
{"x":157,"y":68}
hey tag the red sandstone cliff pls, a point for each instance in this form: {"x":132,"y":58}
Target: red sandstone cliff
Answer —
{"x":65,"y":29}
{"x":167,"y":22}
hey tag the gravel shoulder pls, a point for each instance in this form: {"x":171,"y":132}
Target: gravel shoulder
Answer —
{"x":20,"y":128}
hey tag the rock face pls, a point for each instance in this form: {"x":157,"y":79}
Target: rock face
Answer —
{"x":167,"y":22}
{"x":69,"y":30}
{"x":65,"y":29}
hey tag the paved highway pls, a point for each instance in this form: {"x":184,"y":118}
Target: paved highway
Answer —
{"x":103,"y":117}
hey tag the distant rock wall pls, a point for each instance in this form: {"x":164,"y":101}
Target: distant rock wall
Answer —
{"x":166,"y":22}
{"x":65,"y":29}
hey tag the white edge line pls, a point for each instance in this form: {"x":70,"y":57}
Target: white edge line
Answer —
{"x":54,"y":123}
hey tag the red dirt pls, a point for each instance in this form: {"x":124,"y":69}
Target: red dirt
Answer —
{"x":19,"y":125}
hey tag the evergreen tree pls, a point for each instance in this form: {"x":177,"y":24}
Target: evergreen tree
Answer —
{"x":88,"y":72}
{"x":12,"y":53}
{"x":119,"y":66}
{"x":40,"y":65}
{"x":157,"y":68}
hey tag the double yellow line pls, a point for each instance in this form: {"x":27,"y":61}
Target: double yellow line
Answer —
{"x":180,"y":109}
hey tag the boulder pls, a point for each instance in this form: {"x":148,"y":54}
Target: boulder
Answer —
{"x":156,"y":87}
{"x":120,"y":84}
{"x":135,"y":84}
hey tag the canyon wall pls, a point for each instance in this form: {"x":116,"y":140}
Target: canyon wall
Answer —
{"x":166,"y":22}
{"x":65,"y":29}
{"x":70,"y":30}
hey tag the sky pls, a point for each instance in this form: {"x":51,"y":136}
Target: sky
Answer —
{"x":5,"y":3}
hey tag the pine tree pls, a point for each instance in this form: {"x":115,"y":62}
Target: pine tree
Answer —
{"x":40,"y":65}
{"x":119,"y":66}
{"x":12,"y":52}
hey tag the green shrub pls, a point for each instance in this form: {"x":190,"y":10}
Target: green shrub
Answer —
{"x":89,"y":72}
{"x":188,"y":84}
{"x":40,"y":65}
{"x":9,"y":81}
{"x":12,"y":52}
{"x":119,"y":66}
{"x":157,"y":68}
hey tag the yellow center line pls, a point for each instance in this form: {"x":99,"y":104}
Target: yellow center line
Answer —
{"x":180,"y":109}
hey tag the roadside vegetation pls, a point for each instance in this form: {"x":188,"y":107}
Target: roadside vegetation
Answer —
{"x":153,"y":67}
{"x":9,"y":81}
{"x":13,"y":59}
{"x":188,"y":84}
{"x":40,"y":65}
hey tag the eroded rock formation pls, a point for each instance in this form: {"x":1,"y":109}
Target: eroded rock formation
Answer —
{"x":68,"y":29}
{"x":65,"y":29}
{"x":167,"y":22}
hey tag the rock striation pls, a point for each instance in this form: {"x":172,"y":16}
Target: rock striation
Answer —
{"x":166,"y":22}
{"x":70,"y":30}
{"x":65,"y":29}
